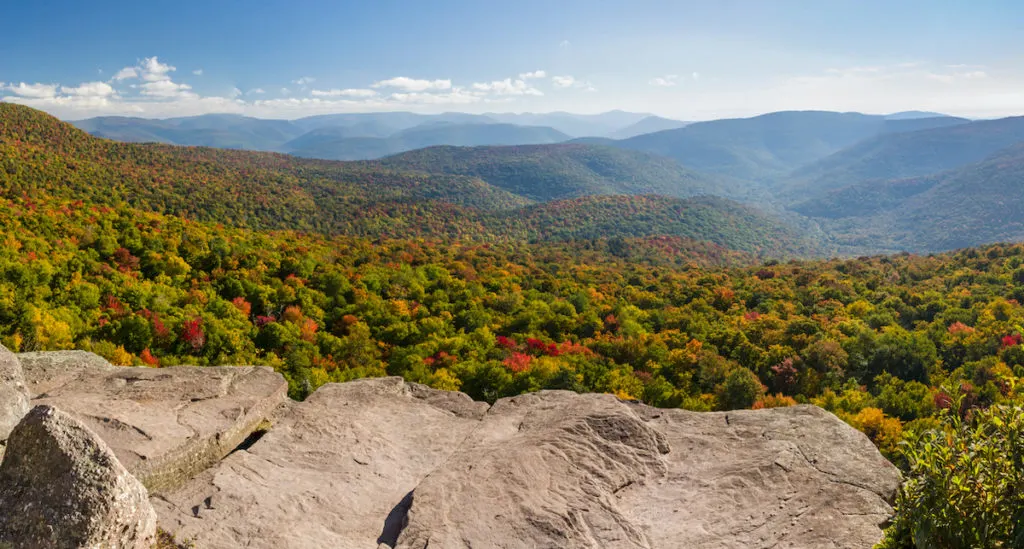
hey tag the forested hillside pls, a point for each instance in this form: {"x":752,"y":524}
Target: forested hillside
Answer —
{"x":44,"y":159}
{"x":552,"y":172}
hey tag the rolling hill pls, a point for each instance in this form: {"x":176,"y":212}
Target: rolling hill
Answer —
{"x":329,"y":144}
{"x":906,"y":154}
{"x":553,"y":172}
{"x":766,"y":147}
{"x":974,"y":204}
{"x":45,"y":160}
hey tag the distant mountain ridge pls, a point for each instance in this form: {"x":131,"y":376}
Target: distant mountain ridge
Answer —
{"x":764,"y":148}
{"x":325,"y":143}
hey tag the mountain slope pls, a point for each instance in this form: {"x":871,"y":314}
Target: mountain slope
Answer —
{"x":328,"y":144}
{"x":45,"y":160}
{"x":974,"y":204}
{"x":650,"y":124}
{"x":906,"y":154}
{"x":43,"y":157}
{"x":764,"y":147}
{"x":552,"y":172}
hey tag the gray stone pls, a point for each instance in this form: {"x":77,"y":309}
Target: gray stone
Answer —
{"x":62,"y":487}
{"x":14,"y":394}
{"x":394,"y":464}
{"x":164,"y":424}
{"x":334,"y":471}
{"x":48,"y":370}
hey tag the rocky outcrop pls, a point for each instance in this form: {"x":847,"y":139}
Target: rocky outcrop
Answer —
{"x":390,"y":464}
{"x":62,"y":487}
{"x":164,"y":424}
{"x":13,"y":394}
{"x":383,"y":462}
{"x":335,"y":470}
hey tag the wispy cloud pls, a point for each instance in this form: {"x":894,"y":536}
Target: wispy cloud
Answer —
{"x":507,"y":87}
{"x":533,"y":75}
{"x":198,"y":72}
{"x":564,"y":82}
{"x":666,"y":81}
{"x":304,"y":81}
{"x":412,"y":84}
{"x":350,"y":92}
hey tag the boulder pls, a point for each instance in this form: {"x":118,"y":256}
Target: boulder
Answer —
{"x":392,"y":464}
{"x":14,"y":394}
{"x":164,"y":424}
{"x":61,"y":487}
{"x":335,"y":470}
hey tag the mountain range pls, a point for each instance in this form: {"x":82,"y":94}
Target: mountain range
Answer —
{"x":917,"y":181}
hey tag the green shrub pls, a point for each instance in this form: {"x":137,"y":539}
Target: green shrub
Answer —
{"x":965,"y":485}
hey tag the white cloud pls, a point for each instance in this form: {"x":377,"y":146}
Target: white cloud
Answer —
{"x":563,"y":44}
{"x":35,"y":91}
{"x":666,"y":81}
{"x":256,"y":91}
{"x":198,"y":72}
{"x":152,"y":70}
{"x":304,"y":81}
{"x":507,"y":87}
{"x":90,"y":89}
{"x":696,"y":75}
{"x":533,"y":75}
{"x":285,"y":91}
{"x":455,"y":97}
{"x":165,"y":88}
{"x":235,"y":92}
{"x":413,"y":85}
{"x":126,"y":73}
{"x":351,"y":92}
{"x":563,"y":81}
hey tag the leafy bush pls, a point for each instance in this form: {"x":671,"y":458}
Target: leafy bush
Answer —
{"x":965,"y":486}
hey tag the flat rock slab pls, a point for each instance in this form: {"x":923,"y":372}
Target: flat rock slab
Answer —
{"x":382,"y":463}
{"x":164,"y":424}
{"x":334,"y":471}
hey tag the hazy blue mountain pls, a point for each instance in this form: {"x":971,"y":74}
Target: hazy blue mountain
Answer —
{"x":425,"y":135}
{"x":910,"y":115}
{"x":565,"y":170}
{"x":758,"y":148}
{"x":650,"y":124}
{"x":767,"y":147}
{"x":976,"y":203}
{"x":905,"y":154}
{"x":574,"y":125}
{"x":396,"y":120}
{"x":227,"y":131}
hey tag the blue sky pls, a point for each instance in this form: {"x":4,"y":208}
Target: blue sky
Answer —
{"x":683,"y":59}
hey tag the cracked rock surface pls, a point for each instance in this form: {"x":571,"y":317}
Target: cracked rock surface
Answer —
{"x":384,"y":463}
{"x":164,"y":424}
